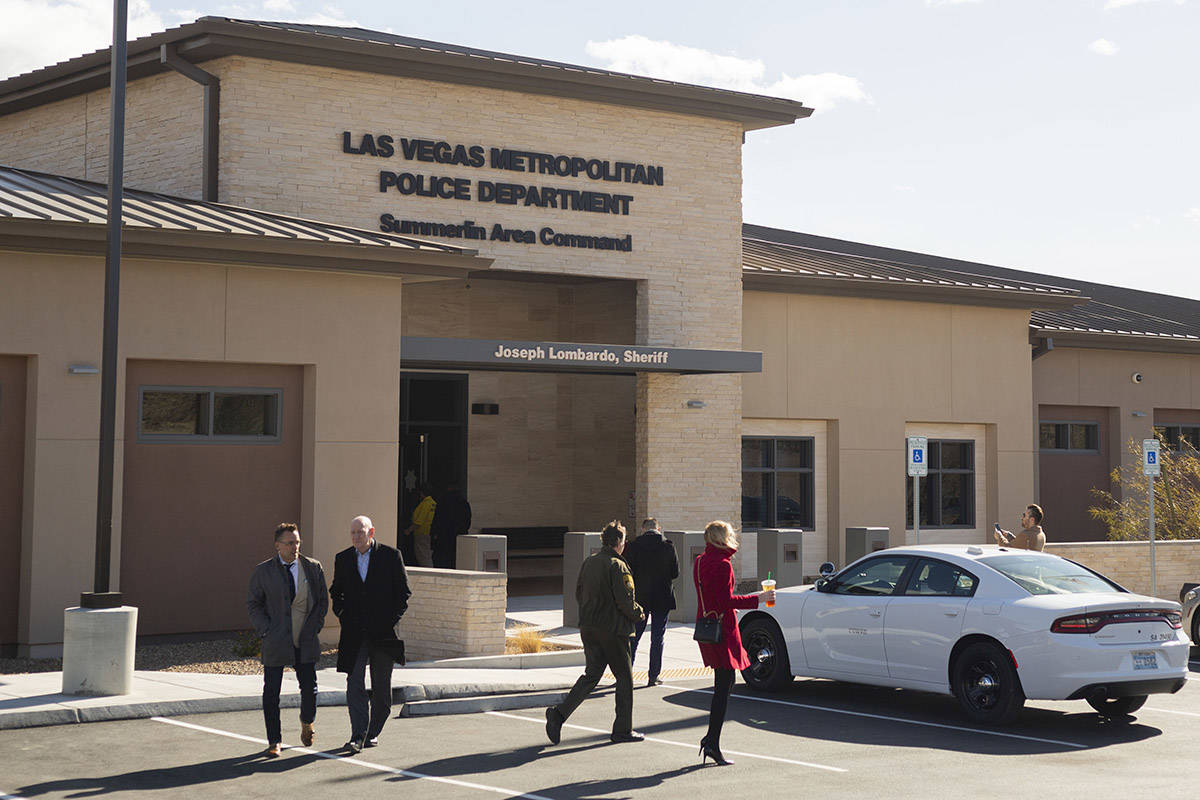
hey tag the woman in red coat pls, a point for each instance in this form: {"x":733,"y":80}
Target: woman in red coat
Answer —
{"x":713,"y":574}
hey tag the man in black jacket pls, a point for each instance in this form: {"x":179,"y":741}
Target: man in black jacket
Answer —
{"x":369,"y":593}
{"x":654,"y":566}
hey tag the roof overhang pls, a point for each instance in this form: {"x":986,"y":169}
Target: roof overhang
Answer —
{"x":508,"y":355}
{"x":909,"y":290}
{"x":41,"y":236}
{"x":212,"y":37}
{"x":1098,"y":340}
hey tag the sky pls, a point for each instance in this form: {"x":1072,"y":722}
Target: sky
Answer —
{"x":1057,"y":136}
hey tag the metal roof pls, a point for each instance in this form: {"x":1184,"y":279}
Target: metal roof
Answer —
{"x":386,"y":53}
{"x":764,"y":257}
{"x":29,"y":195}
{"x":1101,"y":311}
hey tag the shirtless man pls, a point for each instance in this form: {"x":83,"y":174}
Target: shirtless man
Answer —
{"x":1031,"y":537}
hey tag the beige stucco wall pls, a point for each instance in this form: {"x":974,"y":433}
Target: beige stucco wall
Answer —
{"x":877,"y":370}
{"x":453,"y":613}
{"x":1079,"y":377}
{"x":337,"y":326}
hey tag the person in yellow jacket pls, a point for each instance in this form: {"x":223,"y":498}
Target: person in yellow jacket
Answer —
{"x":422,"y":518}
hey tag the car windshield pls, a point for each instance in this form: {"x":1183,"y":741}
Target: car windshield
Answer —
{"x":1041,"y":575}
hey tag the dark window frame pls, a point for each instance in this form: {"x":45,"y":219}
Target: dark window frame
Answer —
{"x":1068,"y":449}
{"x":210,"y":410}
{"x":935,"y":491}
{"x":1162,"y":434}
{"x":771,"y":490}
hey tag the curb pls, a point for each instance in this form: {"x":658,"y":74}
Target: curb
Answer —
{"x":473,"y":705}
{"x":551,"y":658}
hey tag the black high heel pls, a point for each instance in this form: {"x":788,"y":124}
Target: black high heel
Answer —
{"x":712,"y":751}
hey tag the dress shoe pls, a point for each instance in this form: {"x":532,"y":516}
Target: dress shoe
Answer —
{"x":355,"y":745}
{"x":372,"y":742}
{"x":273,"y":749}
{"x":306,"y":734}
{"x":654,"y":682}
{"x":712,"y":751}
{"x":631,"y":736}
{"x":554,"y":723}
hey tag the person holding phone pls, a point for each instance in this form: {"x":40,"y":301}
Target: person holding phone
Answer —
{"x":1031,"y":535}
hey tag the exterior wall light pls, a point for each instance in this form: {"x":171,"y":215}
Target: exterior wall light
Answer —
{"x":695,"y":404}
{"x":82,"y":369}
{"x":1139,"y":413}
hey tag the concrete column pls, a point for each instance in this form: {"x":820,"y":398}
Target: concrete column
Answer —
{"x":98,"y":650}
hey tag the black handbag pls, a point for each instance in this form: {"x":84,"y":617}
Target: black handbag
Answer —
{"x":708,"y":628}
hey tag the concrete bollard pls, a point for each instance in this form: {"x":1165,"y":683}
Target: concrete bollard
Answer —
{"x":98,"y":650}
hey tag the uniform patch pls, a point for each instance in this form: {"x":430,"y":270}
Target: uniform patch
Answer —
{"x":629,"y":582}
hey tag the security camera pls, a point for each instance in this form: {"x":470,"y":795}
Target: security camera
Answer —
{"x":1136,"y":377}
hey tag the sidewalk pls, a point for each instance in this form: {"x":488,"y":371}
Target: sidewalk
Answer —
{"x":453,"y":686}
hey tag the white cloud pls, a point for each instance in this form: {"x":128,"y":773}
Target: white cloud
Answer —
{"x":642,"y":56}
{"x":1112,"y":4}
{"x":37,"y":33}
{"x":1192,"y":215}
{"x":1103,"y":47}
{"x":279,"y":5}
{"x":950,"y":2}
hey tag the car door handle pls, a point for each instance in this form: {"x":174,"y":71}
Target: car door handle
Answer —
{"x":951,"y":613}
{"x":876,"y":613}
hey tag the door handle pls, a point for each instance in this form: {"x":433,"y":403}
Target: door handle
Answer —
{"x":876,"y":613}
{"x":951,"y":613}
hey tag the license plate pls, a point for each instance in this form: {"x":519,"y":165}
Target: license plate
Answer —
{"x":1144,"y":659}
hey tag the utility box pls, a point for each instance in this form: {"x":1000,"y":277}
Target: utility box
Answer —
{"x":480,"y":552}
{"x":779,"y":554}
{"x":688,"y":547}
{"x":576,"y":547}
{"x":861,"y":541}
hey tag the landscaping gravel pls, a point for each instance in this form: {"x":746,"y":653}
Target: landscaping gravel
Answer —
{"x":209,"y":655}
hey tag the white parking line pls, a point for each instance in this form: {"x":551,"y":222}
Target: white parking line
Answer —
{"x":680,"y":744}
{"x":889,"y":719}
{"x":1172,"y":711}
{"x":356,"y":762}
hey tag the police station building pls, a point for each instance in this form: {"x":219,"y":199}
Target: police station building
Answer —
{"x":357,"y":262}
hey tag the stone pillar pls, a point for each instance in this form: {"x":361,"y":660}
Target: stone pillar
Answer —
{"x":98,"y":650}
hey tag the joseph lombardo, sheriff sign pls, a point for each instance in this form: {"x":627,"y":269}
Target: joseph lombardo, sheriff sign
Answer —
{"x":603,"y":355}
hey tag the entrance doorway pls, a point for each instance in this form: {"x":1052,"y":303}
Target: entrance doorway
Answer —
{"x":433,"y":439}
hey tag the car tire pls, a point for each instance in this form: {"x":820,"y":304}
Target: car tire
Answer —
{"x":769,"y":670}
{"x":1195,"y":629}
{"x":1117,"y":707}
{"x":985,"y":683}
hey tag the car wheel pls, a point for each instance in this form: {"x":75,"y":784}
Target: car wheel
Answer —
{"x":1195,"y":629}
{"x":769,"y":669}
{"x":985,"y":683}
{"x":1117,"y":706}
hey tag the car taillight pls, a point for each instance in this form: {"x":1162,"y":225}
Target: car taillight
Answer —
{"x":1090,"y":623}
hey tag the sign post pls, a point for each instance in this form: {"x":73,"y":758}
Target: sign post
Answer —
{"x":918,"y":467}
{"x":1152,"y":468}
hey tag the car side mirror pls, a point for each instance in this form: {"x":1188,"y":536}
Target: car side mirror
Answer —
{"x":824,"y":585}
{"x":827,"y":569}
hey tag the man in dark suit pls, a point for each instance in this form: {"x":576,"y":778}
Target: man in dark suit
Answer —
{"x":370,"y":593}
{"x":654,"y":566}
{"x":287,"y":602}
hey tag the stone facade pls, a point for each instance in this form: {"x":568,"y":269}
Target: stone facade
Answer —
{"x":1177,"y":561}
{"x":453,"y":613}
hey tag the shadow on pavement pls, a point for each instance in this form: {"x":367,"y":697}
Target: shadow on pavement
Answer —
{"x":826,"y":700}
{"x":158,"y":778}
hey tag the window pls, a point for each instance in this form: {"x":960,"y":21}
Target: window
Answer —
{"x":193,"y":414}
{"x":1174,"y":436}
{"x":877,"y":576}
{"x":777,"y":482}
{"x":1041,"y":575}
{"x":1069,"y":436}
{"x":948,"y":492}
{"x":939,"y":579}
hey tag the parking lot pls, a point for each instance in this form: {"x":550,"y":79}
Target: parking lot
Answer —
{"x":819,"y":736}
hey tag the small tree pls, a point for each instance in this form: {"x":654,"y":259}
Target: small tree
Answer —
{"x":1176,"y":497}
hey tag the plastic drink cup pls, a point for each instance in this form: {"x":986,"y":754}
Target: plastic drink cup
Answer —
{"x":769,"y":586}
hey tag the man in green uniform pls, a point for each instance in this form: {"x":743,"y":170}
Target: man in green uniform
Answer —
{"x":607,"y":616}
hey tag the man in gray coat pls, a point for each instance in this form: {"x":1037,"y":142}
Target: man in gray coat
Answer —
{"x":287,"y":602}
